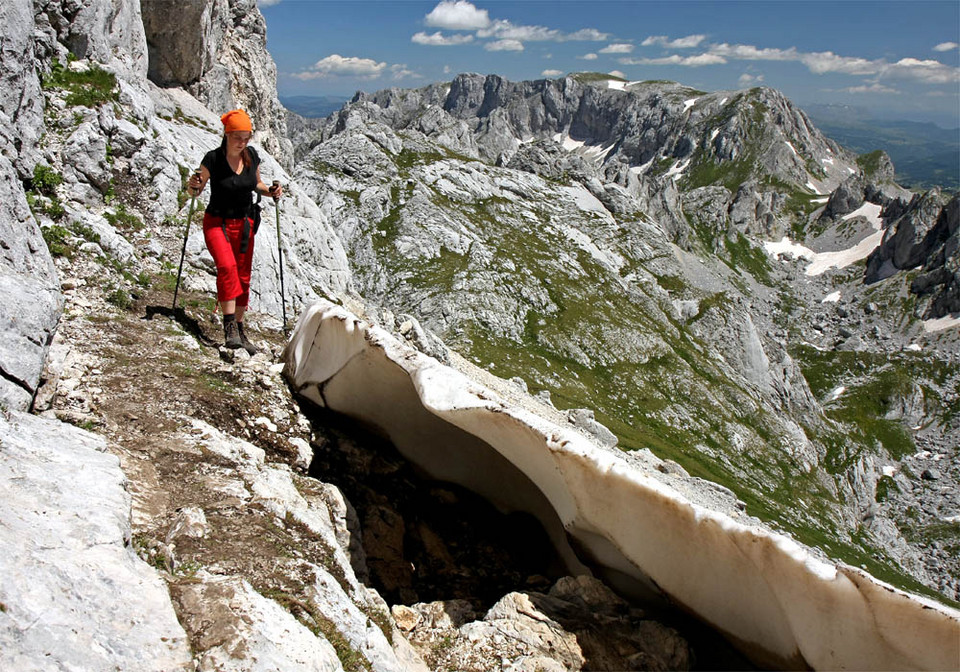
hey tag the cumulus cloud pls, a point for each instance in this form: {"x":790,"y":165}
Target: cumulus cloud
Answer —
{"x":746,"y":79}
{"x":617,"y":73}
{"x":504,"y":45}
{"x":927,"y":71}
{"x":336,"y":65}
{"x":688,"y":42}
{"x":588,"y":57}
{"x":458,"y":15}
{"x":617,"y":48}
{"x":946,"y":46}
{"x":685,"y":61}
{"x":268,"y":3}
{"x":438,"y":39}
{"x":551,"y":73}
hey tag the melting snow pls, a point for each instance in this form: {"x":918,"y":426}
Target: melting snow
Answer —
{"x":792,"y":148}
{"x":687,"y":104}
{"x":820,"y":200}
{"x":828,"y":160}
{"x":835,"y":393}
{"x":889,"y":471}
{"x":823,"y":261}
{"x":614,"y":84}
{"x":570,"y":144}
{"x":833,"y":297}
{"x":914,"y":347}
{"x":723,"y":101}
{"x":941,"y":323}
{"x":676,"y":170}
{"x":714,"y":134}
{"x":759,"y":587}
{"x":812,"y":187}
{"x":637,"y":170}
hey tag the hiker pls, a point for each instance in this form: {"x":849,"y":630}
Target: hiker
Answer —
{"x":228,"y":223}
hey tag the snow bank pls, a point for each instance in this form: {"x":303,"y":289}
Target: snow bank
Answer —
{"x":772,"y":597}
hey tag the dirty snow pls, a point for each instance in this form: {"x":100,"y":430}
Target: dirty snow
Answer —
{"x":833,"y":297}
{"x":941,"y":323}
{"x":676,"y":170}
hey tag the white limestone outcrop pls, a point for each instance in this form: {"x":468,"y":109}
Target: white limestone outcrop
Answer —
{"x":774,"y":598}
{"x":73,"y":594}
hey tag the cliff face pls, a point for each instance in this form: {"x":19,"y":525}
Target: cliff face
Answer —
{"x":217,"y":50}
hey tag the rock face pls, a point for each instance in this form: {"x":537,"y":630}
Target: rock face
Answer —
{"x":217,"y":49}
{"x":72,"y":590}
{"x":925,"y":235}
{"x":580,"y":491}
{"x":27,"y":275}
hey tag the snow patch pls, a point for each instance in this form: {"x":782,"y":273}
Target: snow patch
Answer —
{"x":914,"y":347}
{"x":676,"y":170}
{"x":759,"y":587}
{"x":614,"y":84}
{"x":638,"y":170}
{"x":889,"y":471}
{"x":832,"y":297}
{"x":792,"y":148}
{"x":714,"y":134}
{"x":941,"y":323}
{"x":823,"y":261}
{"x":814,"y":188}
{"x":820,"y":200}
{"x":835,"y":393}
{"x":828,"y":161}
{"x":687,"y":104}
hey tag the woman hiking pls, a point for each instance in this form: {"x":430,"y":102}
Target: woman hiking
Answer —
{"x":233,"y":170}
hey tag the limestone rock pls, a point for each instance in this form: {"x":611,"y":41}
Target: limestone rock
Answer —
{"x":239,"y":630}
{"x":74,"y":594}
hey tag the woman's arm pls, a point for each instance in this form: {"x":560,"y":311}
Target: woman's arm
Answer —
{"x":266,"y":190}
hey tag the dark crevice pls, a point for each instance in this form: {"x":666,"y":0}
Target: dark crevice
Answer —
{"x":17,"y":381}
{"x":425,"y":540}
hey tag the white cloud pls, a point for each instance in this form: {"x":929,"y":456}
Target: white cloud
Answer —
{"x":438,"y":39}
{"x":617,"y":73}
{"x":827,"y":61}
{"x":688,"y":42}
{"x":586,"y":35}
{"x":401,"y":71}
{"x":928,"y":72}
{"x":588,"y":57}
{"x":746,"y":79}
{"x":551,"y":73}
{"x":946,"y":46}
{"x":267,"y":3}
{"x":504,"y":30}
{"x":458,"y":15}
{"x":504,"y":45}
{"x":336,"y":65}
{"x":617,"y":48}
{"x":447,"y":69}
{"x":685,"y":61}
{"x":869,"y":88}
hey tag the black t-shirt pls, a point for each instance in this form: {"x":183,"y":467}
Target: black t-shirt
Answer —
{"x":230,"y":193}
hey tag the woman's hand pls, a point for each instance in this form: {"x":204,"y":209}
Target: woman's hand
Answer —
{"x":275,"y":191}
{"x":195,"y":184}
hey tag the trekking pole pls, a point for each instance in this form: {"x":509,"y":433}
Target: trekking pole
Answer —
{"x":283,"y":303}
{"x":183,"y":252}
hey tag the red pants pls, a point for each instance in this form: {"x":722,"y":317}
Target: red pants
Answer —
{"x":233,"y":267}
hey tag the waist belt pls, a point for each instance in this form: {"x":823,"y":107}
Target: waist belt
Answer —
{"x":244,"y":234}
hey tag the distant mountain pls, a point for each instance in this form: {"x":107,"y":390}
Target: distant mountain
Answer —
{"x":924,"y":155}
{"x":313,"y":106}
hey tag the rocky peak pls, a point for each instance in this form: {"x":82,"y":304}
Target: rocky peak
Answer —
{"x":217,"y":49}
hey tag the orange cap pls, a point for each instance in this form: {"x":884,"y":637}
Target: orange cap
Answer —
{"x":236,"y":120}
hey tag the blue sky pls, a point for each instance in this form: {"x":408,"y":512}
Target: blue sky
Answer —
{"x":897,"y":59}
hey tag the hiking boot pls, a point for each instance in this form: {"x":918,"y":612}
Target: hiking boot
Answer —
{"x":231,"y":334}
{"x":245,"y":342}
